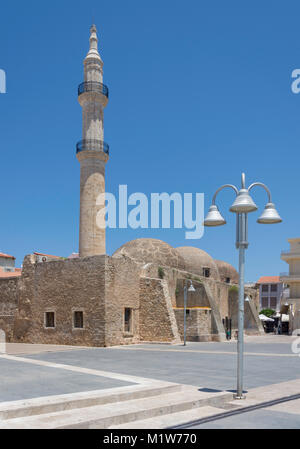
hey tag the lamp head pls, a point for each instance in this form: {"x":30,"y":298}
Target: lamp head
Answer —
{"x":213,"y":217}
{"x":243,"y":203}
{"x":191,"y":288}
{"x":269,"y":215}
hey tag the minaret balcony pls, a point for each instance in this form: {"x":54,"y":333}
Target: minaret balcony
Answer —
{"x":93,"y":86}
{"x":92,"y":145}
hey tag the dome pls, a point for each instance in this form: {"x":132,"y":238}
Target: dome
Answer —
{"x":151,"y":251}
{"x":198,"y":262}
{"x":227,"y":272}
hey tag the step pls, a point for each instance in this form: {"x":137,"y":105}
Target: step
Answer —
{"x":112,"y":414}
{"x":172,"y":419}
{"x":50,"y":404}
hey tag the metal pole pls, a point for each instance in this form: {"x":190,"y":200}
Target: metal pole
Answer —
{"x":184,"y":315}
{"x":242,"y":244}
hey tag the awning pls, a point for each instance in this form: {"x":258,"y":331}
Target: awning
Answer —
{"x":263,"y":317}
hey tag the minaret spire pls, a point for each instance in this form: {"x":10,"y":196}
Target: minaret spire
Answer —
{"x":93,"y":51}
{"x":92,"y":152}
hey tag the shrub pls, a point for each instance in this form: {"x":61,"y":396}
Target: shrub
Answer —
{"x":267,"y":312}
{"x":161,"y":273}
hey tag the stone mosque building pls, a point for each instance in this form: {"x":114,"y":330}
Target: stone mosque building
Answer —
{"x":136,"y":295}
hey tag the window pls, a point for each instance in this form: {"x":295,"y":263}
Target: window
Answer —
{"x":49,"y":319}
{"x":265,"y":288}
{"x":264,"y":303}
{"x":128,"y":320}
{"x":227,"y":280}
{"x":187,"y":312}
{"x":78,"y":319}
{"x":273,"y":303}
{"x":206,"y":272}
{"x":273,"y":287}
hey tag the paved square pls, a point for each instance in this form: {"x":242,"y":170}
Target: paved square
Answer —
{"x":36,"y":371}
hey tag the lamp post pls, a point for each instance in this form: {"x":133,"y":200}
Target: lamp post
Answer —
{"x":185,"y":292}
{"x":242,"y":205}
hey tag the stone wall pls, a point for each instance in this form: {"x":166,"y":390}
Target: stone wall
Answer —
{"x":8,"y":305}
{"x":122,"y":285}
{"x":157,"y":318}
{"x":63,"y":287}
{"x":209,"y":292}
{"x":252,"y":323}
{"x":102,"y":287}
{"x":198,"y":323}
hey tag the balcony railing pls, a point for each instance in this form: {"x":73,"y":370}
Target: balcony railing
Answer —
{"x":291,"y":276}
{"x":92,"y":145}
{"x":93,"y":86}
{"x":290,"y":253}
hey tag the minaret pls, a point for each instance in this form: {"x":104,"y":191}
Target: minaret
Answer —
{"x":92,"y":152}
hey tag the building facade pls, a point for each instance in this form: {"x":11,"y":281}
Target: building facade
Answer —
{"x":270,"y":292}
{"x":292,"y":279}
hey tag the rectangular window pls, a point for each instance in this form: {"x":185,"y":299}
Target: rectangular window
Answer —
{"x":78,"y":319}
{"x":273,"y":303}
{"x":273,"y":287}
{"x":264,"y":303}
{"x":227,"y":280}
{"x":206,"y":272}
{"x":265,"y":288}
{"x":128,"y":320}
{"x":49,"y":319}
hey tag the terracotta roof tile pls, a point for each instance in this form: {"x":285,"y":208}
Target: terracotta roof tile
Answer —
{"x":269,"y":280}
{"x":7,"y":256}
{"x":9,"y":274}
{"x":46,"y":255}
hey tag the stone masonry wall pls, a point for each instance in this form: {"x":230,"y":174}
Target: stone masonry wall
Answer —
{"x":62,"y":286}
{"x":157,"y":318}
{"x":198,"y":324}
{"x":252,"y":322}
{"x":8,"y":305}
{"x":122,"y":284}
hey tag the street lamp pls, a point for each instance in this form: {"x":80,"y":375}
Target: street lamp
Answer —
{"x":242,"y":205}
{"x":185,"y":292}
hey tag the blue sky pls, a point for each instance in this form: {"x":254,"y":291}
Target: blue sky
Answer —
{"x":199,"y":92}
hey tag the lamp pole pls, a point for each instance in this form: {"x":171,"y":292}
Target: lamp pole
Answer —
{"x":184,"y":313}
{"x":241,"y":245}
{"x":185,"y":293}
{"x":242,"y":205}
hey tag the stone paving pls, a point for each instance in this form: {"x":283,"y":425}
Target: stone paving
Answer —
{"x":281,"y":416}
{"x":29,"y":371}
{"x":207,"y":365}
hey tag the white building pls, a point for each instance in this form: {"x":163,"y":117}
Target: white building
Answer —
{"x":292,"y":278}
{"x":270,"y":292}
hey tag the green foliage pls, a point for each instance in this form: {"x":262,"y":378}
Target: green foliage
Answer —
{"x":161,"y":273}
{"x":267,"y":312}
{"x":234,"y":289}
